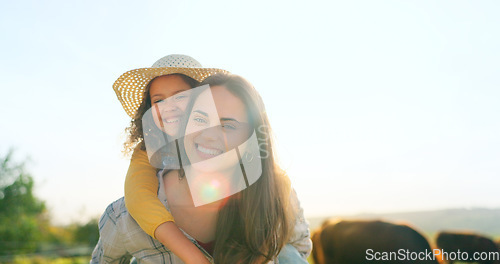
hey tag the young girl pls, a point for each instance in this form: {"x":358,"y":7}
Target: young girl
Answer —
{"x":141,"y":89}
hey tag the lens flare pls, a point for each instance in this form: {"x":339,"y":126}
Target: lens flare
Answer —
{"x":215,"y":183}
{"x":210,"y":191}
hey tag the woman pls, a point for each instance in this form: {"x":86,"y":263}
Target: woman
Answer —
{"x":249,"y":226}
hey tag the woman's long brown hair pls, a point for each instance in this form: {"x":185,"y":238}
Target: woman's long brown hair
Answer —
{"x":254,"y":224}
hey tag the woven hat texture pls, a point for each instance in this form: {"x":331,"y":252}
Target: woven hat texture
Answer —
{"x":130,"y":86}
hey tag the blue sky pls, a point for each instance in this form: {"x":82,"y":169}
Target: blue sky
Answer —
{"x":377,"y":106}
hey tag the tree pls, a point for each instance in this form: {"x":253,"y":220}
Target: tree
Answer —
{"x":88,"y":233}
{"x":22,"y":215}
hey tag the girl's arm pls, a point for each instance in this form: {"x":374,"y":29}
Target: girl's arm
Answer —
{"x":172,"y":237}
{"x":141,"y":199}
{"x":141,"y":194}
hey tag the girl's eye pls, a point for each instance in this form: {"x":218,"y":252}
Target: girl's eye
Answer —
{"x":180,"y":97}
{"x":158,"y":101}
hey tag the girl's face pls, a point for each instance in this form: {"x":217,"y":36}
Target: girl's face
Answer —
{"x":169,"y":98}
{"x":218,"y":123}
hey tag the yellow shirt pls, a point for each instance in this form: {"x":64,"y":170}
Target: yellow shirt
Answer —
{"x":141,"y":194}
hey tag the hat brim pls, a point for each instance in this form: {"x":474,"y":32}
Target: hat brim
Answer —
{"x":130,"y":86}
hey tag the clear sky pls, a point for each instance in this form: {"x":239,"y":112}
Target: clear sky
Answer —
{"x":377,"y":106}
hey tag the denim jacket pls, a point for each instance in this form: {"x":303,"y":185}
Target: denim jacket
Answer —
{"x":121,"y":238}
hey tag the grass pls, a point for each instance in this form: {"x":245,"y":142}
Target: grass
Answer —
{"x":48,"y":260}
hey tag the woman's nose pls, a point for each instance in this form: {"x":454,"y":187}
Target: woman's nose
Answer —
{"x":212,"y":133}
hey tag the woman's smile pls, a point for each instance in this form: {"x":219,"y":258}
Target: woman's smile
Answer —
{"x":207,"y":152}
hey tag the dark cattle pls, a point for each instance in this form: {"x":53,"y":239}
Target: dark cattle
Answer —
{"x":369,"y":242}
{"x":470,"y":244}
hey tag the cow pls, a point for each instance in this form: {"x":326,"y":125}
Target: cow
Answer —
{"x":467,"y":244}
{"x":352,"y":242}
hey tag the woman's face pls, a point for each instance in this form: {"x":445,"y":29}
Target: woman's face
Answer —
{"x":169,"y":98}
{"x":217,"y":123}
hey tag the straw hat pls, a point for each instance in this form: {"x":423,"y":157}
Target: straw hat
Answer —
{"x":129,"y":87}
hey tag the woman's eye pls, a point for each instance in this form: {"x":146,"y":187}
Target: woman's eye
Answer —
{"x":200,"y":120}
{"x":158,"y":101}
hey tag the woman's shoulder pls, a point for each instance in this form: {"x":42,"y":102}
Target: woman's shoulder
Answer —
{"x":117,"y":209}
{"x":117,"y":220}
